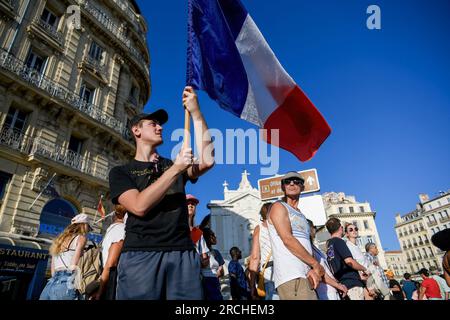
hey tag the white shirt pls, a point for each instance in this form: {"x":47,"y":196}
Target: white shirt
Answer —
{"x":201,"y":246}
{"x":211,"y":270}
{"x":443,"y":287}
{"x":286,"y":265}
{"x":325,"y":291}
{"x":64,"y":259}
{"x":115,"y":233}
{"x":265,"y":249}
{"x":357,"y":254}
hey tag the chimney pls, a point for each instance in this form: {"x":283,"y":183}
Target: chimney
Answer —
{"x":423,"y":197}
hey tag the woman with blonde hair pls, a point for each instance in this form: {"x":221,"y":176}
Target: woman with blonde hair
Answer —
{"x":66,"y":251}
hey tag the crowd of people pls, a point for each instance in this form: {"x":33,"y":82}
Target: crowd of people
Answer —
{"x":153,"y":250}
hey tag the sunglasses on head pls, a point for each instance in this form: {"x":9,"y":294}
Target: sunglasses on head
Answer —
{"x":295,"y":181}
{"x":352,"y":229}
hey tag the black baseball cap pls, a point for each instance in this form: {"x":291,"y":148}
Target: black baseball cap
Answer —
{"x":159,"y":115}
{"x":423,"y":271}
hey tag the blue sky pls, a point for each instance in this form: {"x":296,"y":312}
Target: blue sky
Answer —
{"x":385,"y":93}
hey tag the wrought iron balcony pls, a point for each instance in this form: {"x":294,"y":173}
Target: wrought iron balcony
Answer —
{"x":15,"y":139}
{"x":96,"y":65}
{"x":133,"y":101}
{"x":51,"y":30}
{"x":7,"y":7}
{"x":56,"y":90}
{"x":112,"y":27}
{"x":444,"y":219}
{"x":432,"y":223}
{"x":58,"y":153}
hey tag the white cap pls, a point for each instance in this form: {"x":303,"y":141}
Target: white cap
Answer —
{"x":81,"y":218}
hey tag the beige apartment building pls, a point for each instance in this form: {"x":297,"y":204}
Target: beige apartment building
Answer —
{"x":396,"y":262}
{"x":415,"y":229}
{"x":347,"y":209}
{"x":72,"y":74}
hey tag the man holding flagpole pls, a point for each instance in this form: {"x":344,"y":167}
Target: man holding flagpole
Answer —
{"x":158,"y":258}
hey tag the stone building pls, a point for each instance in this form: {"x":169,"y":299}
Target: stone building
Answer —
{"x":72,"y":74}
{"x":415,"y":229}
{"x":396,"y":262}
{"x":348,"y":210}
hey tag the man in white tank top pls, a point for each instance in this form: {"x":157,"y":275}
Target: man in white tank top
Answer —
{"x":296,"y":272}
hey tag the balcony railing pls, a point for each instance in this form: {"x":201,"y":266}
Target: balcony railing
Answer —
{"x":444,"y":219}
{"x":432,"y":223}
{"x":109,"y":24}
{"x":133,"y":101}
{"x":15,"y":139}
{"x":95,"y":64}
{"x":68,"y":158}
{"x":7,"y":7}
{"x":56,"y":90}
{"x":50,"y":30}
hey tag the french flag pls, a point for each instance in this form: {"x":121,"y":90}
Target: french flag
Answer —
{"x":229,"y":58}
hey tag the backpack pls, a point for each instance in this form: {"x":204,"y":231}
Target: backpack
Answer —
{"x":90,"y":270}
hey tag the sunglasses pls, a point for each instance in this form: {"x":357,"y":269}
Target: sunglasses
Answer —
{"x":295,"y":181}
{"x":352,"y":229}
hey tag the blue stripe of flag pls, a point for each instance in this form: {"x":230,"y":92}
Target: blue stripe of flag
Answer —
{"x":214,"y":63}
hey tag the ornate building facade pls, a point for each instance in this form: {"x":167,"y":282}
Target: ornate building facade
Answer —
{"x":72,"y":74}
{"x":415,"y":229}
{"x":348,"y":210}
{"x":396,"y":263}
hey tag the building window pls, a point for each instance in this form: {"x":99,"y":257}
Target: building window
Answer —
{"x":439,"y":203}
{"x":49,"y":18}
{"x":95,"y":51}
{"x":341,"y":210}
{"x":4,"y":180}
{"x":87,"y":93}
{"x":75,"y":145}
{"x":15,"y":119}
{"x":361,"y":208}
{"x":351,"y":210}
{"x":36,"y":62}
{"x":366,"y":224}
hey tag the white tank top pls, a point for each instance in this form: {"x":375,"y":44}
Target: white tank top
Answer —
{"x":265,"y":249}
{"x":63,"y":260}
{"x":287,"y":266}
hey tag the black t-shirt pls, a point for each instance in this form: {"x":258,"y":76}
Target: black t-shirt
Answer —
{"x":337,"y":252}
{"x":397,"y":295}
{"x":165,"y":227}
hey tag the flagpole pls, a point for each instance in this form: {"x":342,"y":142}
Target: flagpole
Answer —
{"x":48,"y":183}
{"x":109,"y":214}
{"x":96,"y":208}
